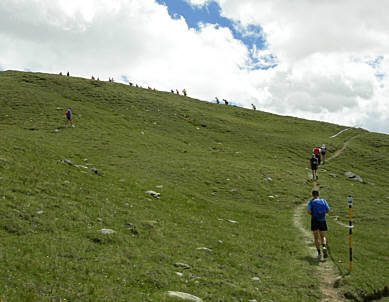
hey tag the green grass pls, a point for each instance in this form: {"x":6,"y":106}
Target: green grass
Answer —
{"x":211,"y":161}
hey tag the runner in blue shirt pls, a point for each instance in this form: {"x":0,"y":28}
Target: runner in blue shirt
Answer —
{"x":318,"y":208}
{"x":68,"y":115}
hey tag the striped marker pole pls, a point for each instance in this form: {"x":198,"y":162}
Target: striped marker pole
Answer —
{"x":350,"y":232}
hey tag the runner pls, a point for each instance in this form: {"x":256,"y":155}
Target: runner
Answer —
{"x":318,"y":208}
{"x":323,"y":152}
{"x":313,"y":164}
{"x":68,"y":115}
{"x":316,"y":151}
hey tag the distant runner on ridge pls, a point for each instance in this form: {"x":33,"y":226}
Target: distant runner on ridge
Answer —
{"x":318,"y":208}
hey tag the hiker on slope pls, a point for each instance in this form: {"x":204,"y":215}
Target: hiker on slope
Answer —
{"x":316,"y":151}
{"x":323,"y":152}
{"x":313,"y":164}
{"x":318,"y":208}
{"x":68,"y":117}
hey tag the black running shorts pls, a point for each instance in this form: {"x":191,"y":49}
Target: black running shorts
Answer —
{"x":318,"y":225}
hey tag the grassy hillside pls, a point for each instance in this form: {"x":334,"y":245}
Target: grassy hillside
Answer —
{"x":209,"y":162}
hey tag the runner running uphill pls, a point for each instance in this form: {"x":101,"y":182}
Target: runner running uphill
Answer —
{"x":313,"y":164}
{"x":323,"y":152}
{"x":316,"y":151}
{"x":318,"y":208}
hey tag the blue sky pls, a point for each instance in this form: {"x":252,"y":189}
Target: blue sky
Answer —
{"x":211,"y":13}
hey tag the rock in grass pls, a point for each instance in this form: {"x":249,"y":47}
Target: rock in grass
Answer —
{"x":94,"y":170}
{"x":256,"y":279}
{"x":232,"y":221}
{"x":66,"y":161}
{"x":40,"y":212}
{"x":149,"y":224}
{"x":353,"y":176}
{"x":182,"y":265}
{"x":204,"y":249}
{"x":107,"y":231}
{"x":333,"y":175}
{"x":153,"y":193}
{"x":184,"y":296}
{"x":131,"y":227}
{"x":268,"y":179}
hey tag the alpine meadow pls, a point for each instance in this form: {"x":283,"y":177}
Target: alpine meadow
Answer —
{"x":152,"y":193}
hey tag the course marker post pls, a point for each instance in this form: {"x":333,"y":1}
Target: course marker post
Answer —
{"x":350,"y":231}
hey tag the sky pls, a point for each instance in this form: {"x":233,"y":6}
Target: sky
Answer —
{"x":321,"y":60}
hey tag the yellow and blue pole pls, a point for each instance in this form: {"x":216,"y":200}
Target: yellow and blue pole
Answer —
{"x":350,"y":232}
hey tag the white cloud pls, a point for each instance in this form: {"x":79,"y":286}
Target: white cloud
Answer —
{"x":326,"y":53}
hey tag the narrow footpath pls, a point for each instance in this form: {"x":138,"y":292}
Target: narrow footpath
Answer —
{"x":328,"y":274}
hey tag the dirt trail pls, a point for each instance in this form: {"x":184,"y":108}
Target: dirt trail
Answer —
{"x":326,"y":269}
{"x":340,"y":151}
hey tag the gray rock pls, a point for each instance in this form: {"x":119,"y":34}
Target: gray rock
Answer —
{"x":149,"y":224}
{"x":159,"y":187}
{"x":349,"y":174}
{"x":256,"y":279}
{"x":232,"y":221}
{"x":253,"y":300}
{"x":107,"y":231}
{"x":99,"y":220}
{"x":179,"y":274}
{"x":233,"y":190}
{"x":184,"y":296}
{"x":40,"y":212}
{"x":333,"y":175}
{"x":94,"y":170}
{"x":66,"y":161}
{"x":204,"y":249}
{"x":153,"y":193}
{"x":268,"y":179}
{"x":353,"y":176}
{"x":131,"y":227}
{"x":182,"y":265}
{"x":81,"y":166}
